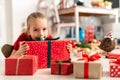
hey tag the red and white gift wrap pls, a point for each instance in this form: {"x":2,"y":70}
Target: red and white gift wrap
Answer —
{"x":61,"y":68}
{"x":48,"y":51}
{"x":113,"y":55}
{"x":88,"y":67}
{"x":115,"y":67}
{"x":23,"y":65}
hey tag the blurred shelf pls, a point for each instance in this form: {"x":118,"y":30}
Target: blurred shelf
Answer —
{"x":85,"y":11}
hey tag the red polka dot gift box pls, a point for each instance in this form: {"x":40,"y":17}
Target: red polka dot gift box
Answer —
{"x":115,"y":67}
{"x":113,"y":55}
{"x":48,"y":51}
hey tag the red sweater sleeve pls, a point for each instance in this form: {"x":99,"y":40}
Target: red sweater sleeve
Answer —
{"x":22,"y":37}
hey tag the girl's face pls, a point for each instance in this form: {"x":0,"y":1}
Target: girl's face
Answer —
{"x":38,"y":28}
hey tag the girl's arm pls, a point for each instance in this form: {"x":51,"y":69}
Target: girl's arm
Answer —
{"x":14,"y":53}
{"x":21,"y":51}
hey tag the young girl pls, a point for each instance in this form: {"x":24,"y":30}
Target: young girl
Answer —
{"x":37,"y":28}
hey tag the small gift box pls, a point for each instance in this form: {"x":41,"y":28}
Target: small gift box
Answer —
{"x":48,"y":51}
{"x":88,"y":67}
{"x":113,"y":55}
{"x":115,"y":67}
{"x":61,"y":67}
{"x":23,"y":65}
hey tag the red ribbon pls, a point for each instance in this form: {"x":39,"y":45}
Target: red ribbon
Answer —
{"x":87,"y":58}
{"x":17,"y":64}
{"x":59,"y":62}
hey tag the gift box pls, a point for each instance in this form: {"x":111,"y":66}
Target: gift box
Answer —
{"x":113,"y":55}
{"x":61,"y":67}
{"x":23,"y":65}
{"x":114,"y":68}
{"x":87,"y":68}
{"x":48,"y":51}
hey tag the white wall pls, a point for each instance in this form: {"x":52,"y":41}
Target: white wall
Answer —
{"x":2,"y":27}
{"x":2,"y":23}
{"x":16,"y":12}
{"x":8,"y":21}
{"x":12,"y":14}
{"x":20,"y":10}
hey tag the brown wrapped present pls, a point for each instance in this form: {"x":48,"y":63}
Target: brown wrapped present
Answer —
{"x":88,"y":68}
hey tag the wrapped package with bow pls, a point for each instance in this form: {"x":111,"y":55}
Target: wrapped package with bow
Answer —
{"x":64,"y":67}
{"x":112,"y":55}
{"x":88,"y":67}
{"x":22,"y":65}
{"x":115,"y":67}
{"x":48,"y":51}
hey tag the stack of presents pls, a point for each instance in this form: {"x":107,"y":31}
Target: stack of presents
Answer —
{"x":55,"y":54}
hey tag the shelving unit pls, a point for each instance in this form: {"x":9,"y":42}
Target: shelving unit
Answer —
{"x":85,"y":11}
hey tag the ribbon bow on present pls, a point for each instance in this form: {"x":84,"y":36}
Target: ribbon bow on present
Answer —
{"x":93,"y":57}
{"x":87,"y":58}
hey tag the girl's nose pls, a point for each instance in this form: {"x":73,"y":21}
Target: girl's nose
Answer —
{"x":41,"y":33}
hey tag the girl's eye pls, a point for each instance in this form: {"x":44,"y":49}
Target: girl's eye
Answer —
{"x":35,"y":29}
{"x":44,"y":29}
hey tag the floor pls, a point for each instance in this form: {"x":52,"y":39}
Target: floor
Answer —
{"x":44,"y":74}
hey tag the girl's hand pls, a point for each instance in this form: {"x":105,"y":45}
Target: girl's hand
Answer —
{"x":22,"y":48}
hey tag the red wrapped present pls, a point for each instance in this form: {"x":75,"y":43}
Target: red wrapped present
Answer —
{"x":113,"y":55}
{"x":24,"y":65}
{"x":115,"y":67}
{"x":88,"y":67}
{"x":48,"y":51}
{"x":61,"y":67}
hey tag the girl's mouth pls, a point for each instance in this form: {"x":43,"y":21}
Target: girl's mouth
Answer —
{"x":40,"y":39}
